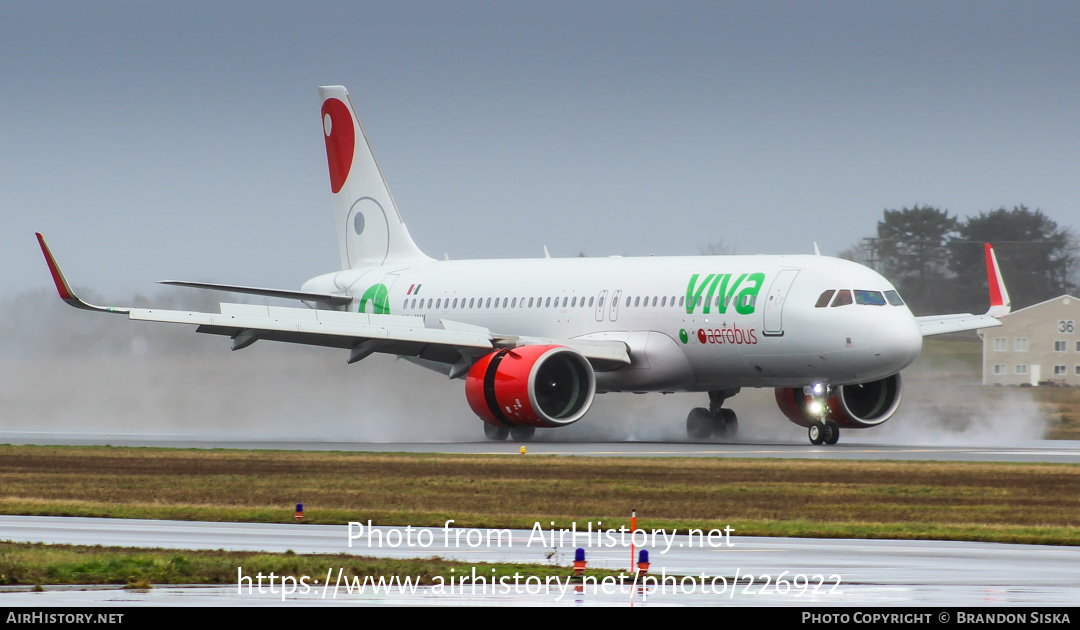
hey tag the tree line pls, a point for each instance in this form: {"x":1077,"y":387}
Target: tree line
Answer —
{"x":936,"y":261}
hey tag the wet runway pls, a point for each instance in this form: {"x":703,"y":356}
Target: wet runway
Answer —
{"x":1044,"y":451}
{"x":845,"y":572}
{"x":748,"y":569}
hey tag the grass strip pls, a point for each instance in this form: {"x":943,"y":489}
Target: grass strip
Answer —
{"x":139,"y":568}
{"x":1003,"y":502}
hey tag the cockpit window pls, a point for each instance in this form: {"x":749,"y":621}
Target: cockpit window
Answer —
{"x":823,"y":301}
{"x":894,"y":298}
{"x":843,"y":298}
{"x":872,"y":298}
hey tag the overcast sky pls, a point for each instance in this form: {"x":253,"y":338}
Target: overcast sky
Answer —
{"x":182,"y":140}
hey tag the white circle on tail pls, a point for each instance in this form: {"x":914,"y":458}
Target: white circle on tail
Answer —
{"x":328,"y":124}
{"x":368,"y":242}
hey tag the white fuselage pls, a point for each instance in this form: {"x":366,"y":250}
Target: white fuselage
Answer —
{"x":751,"y":320}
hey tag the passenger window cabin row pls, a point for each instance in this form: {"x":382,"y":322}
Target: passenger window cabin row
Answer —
{"x":439,"y":304}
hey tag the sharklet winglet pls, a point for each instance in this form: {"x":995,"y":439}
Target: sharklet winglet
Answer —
{"x":64,"y":289}
{"x":1000,"y":305}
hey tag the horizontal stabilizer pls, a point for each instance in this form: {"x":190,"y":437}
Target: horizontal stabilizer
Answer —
{"x":326,"y":298}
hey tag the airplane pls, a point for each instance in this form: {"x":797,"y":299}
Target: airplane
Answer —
{"x":536,"y":339}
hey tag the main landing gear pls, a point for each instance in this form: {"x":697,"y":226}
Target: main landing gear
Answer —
{"x":516,"y":434}
{"x":716,"y":421}
{"x":822,"y":430}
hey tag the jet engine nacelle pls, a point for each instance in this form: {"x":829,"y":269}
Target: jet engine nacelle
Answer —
{"x":851,"y":406}
{"x":536,"y":386}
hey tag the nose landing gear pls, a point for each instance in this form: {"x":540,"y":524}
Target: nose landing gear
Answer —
{"x":823,"y":430}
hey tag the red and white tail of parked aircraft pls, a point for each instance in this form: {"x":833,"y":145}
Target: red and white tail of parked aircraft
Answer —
{"x":536,"y":340}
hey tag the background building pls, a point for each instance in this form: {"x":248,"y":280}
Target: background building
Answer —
{"x":1037,"y":344}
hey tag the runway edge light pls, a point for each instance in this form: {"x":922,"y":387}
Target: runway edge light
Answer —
{"x":299,"y":512}
{"x":643,"y":561}
{"x":579,"y":562}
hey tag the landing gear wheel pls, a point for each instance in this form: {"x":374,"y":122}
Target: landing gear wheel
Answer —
{"x":699,"y":424}
{"x":522,"y":434}
{"x":816,"y":432}
{"x":493,"y":432}
{"x":832,"y":431}
{"x":730,"y":422}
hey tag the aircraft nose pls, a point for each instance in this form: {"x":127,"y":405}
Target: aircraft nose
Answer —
{"x":897,"y":340}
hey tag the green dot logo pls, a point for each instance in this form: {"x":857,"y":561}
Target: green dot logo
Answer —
{"x":378,"y":295}
{"x":683,"y":336}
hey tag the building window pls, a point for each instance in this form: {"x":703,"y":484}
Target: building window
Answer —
{"x":1021,"y":369}
{"x":1078,"y":370}
{"x":1059,"y":370}
{"x":1001,"y":344}
{"x":1060,"y":346}
{"x":1021,"y":344}
{"x":999,"y":368}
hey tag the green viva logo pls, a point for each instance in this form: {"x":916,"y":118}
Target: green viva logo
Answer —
{"x":379,"y":297}
{"x":727,"y":287}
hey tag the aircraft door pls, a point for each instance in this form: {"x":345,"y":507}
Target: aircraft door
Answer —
{"x":773,"y":324}
{"x":614,"y":314}
{"x":600,"y":305}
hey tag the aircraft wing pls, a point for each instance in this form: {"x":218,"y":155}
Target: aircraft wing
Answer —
{"x":364,"y":334}
{"x":1000,"y":306}
{"x":453,"y":343}
{"x":957,"y":322}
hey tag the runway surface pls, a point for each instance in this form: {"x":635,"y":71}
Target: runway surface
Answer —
{"x":823,"y":572}
{"x":1045,"y":451}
